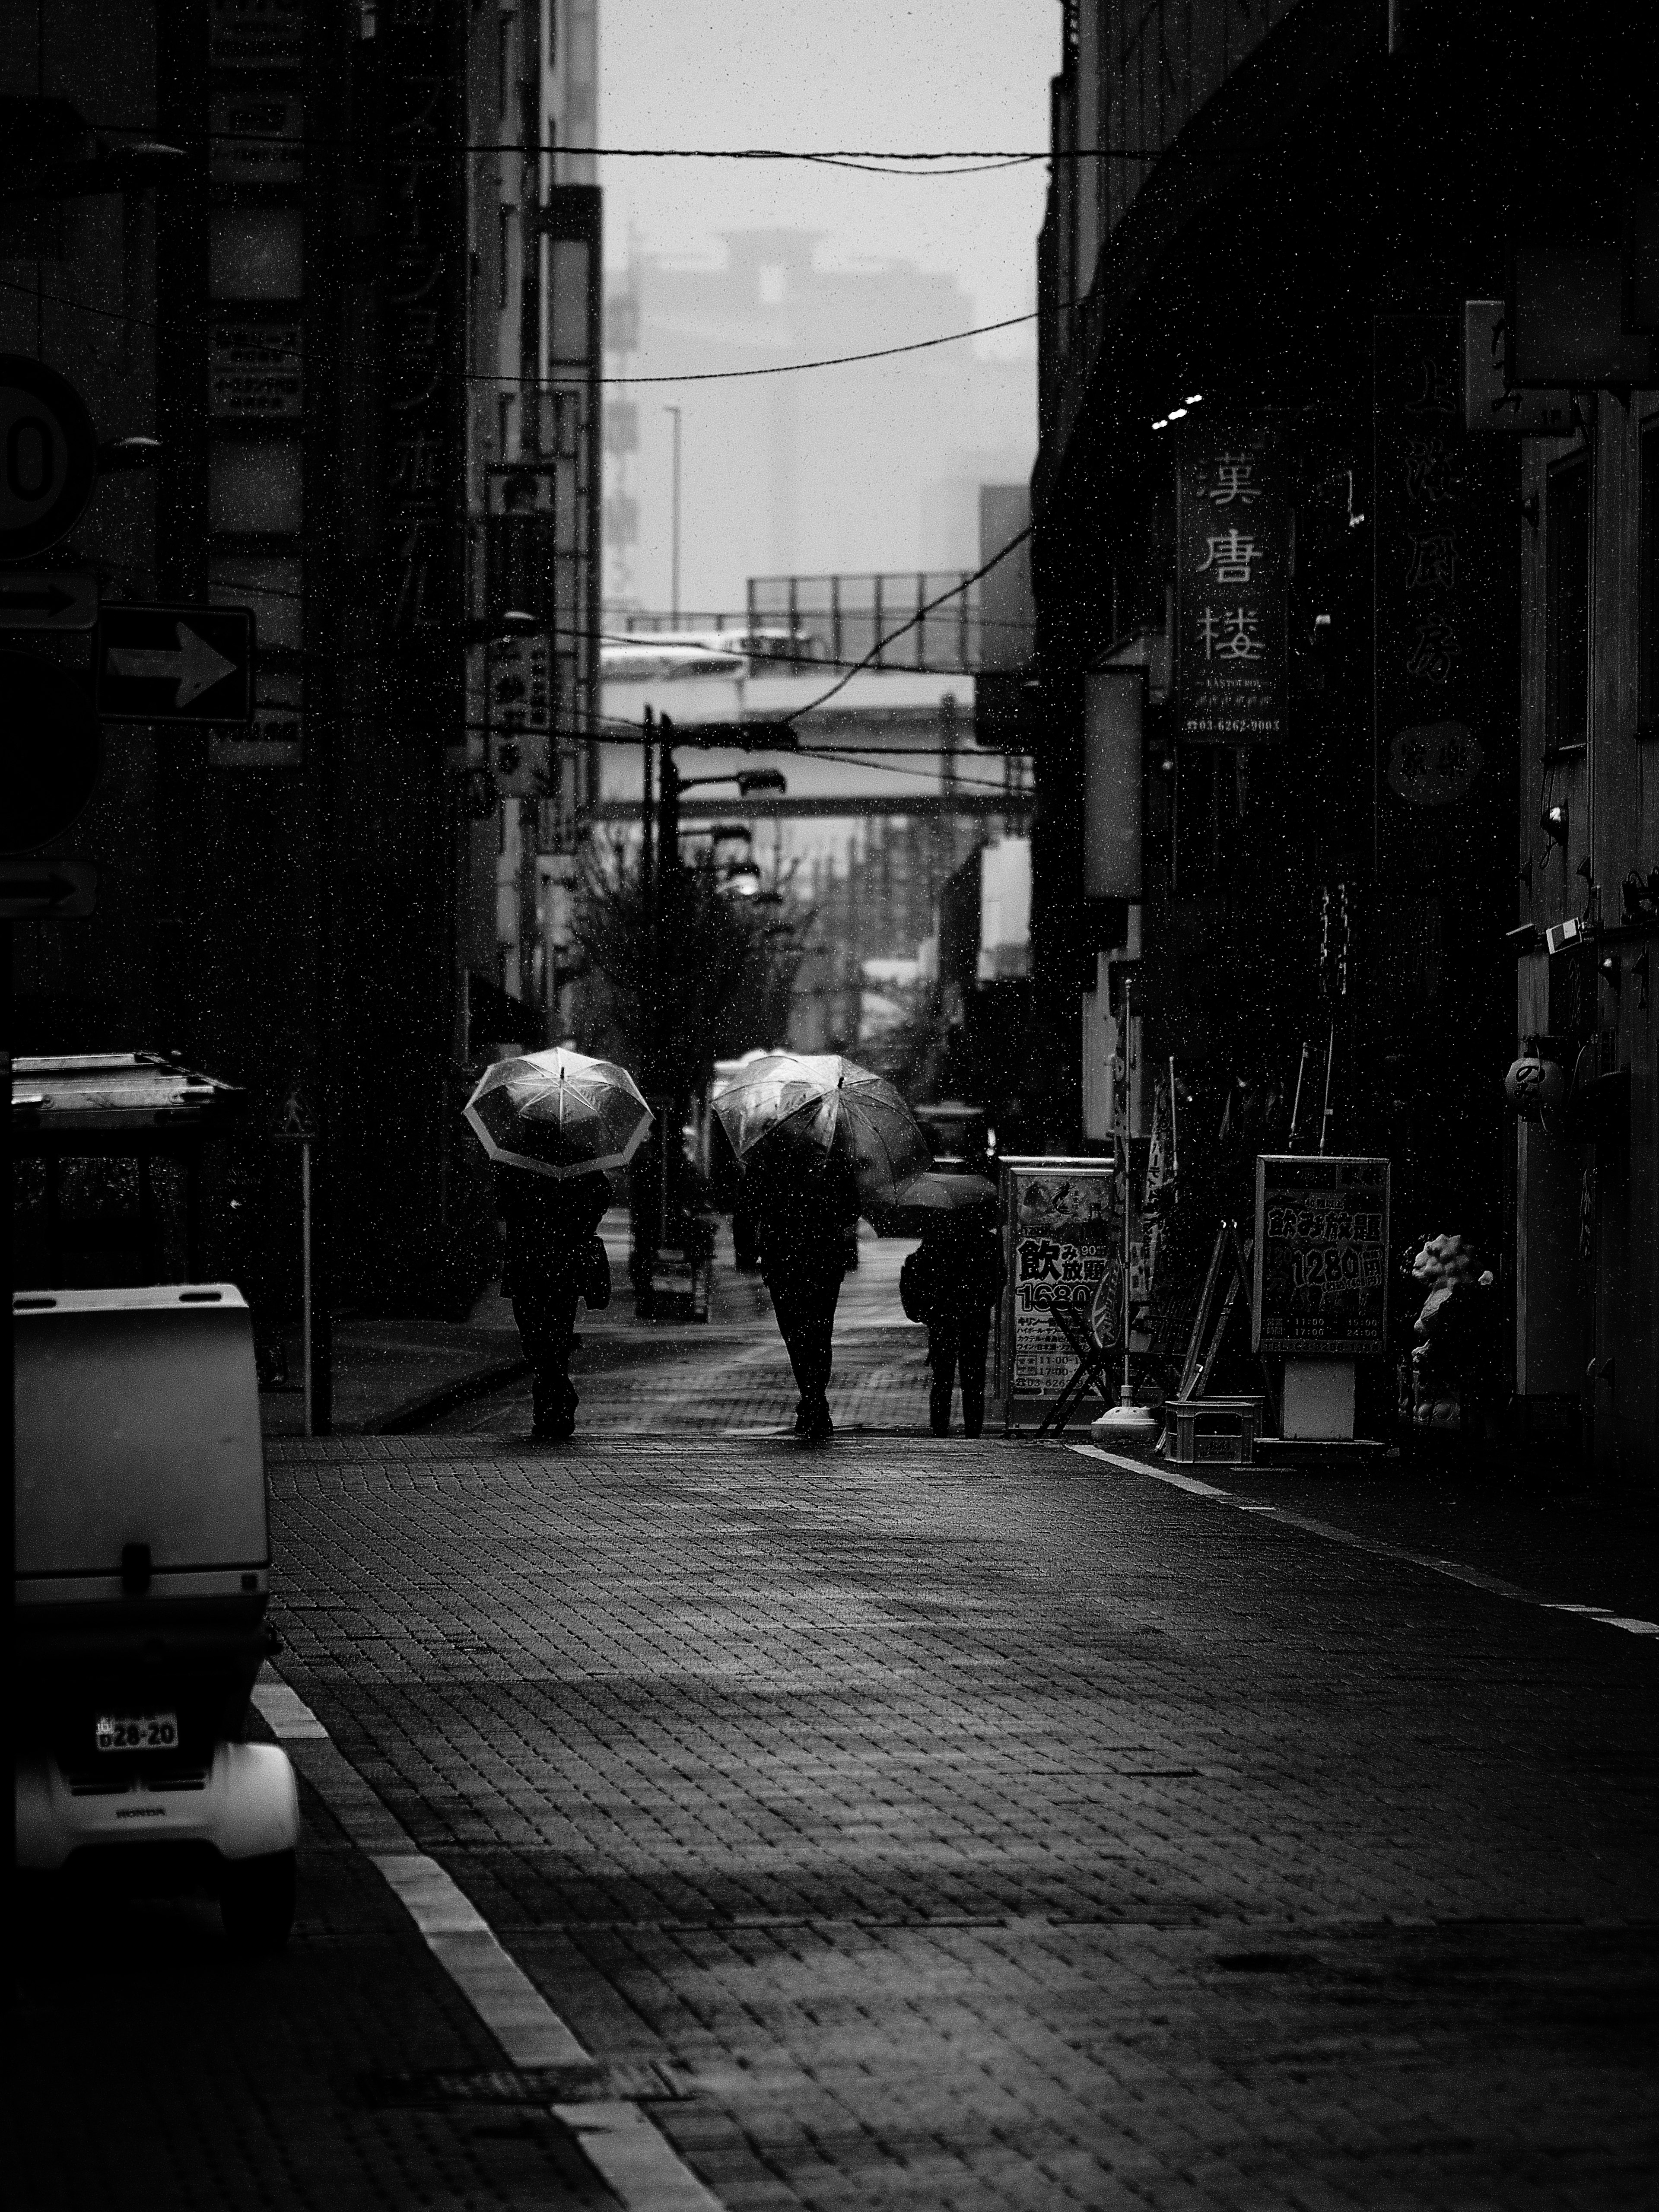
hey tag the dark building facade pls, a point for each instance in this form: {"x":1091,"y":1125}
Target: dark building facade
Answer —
{"x":1296,"y":621}
{"x":290,"y":312}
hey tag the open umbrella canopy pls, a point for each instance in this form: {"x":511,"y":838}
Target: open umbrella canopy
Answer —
{"x":558,"y":1114}
{"x":933,"y":1193}
{"x":821,"y":1099}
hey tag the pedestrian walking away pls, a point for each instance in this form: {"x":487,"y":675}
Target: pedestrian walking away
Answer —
{"x":805,"y":1201}
{"x":554,"y":1257}
{"x":951,"y":1281}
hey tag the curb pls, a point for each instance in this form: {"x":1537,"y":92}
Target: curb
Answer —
{"x":416,"y":1414}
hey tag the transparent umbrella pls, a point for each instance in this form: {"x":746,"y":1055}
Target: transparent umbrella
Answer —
{"x":558,"y":1114}
{"x":821,"y":1099}
{"x":933,"y":1193}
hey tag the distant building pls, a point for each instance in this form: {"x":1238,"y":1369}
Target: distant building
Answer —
{"x":876,"y":466}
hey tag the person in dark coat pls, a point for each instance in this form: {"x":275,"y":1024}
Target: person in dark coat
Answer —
{"x":954,"y":1279}
{"x":804,"y":1202}
{"x":554,"y":1257}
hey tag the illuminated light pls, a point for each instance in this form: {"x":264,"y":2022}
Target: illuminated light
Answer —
{"x":1162,"y":423}
{"x":1194,"y":399}
{"x":1176,"y":414}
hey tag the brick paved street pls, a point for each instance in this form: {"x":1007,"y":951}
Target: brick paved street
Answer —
{"x":906,"y":1824}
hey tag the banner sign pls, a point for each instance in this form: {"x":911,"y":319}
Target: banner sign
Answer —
{"x":1321,"y":1245}
{"x":1064,"y":1246}
{"x":1445,"y":650}
{"x":1232,"y":575}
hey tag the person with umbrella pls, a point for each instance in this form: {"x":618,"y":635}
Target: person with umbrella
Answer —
{"x":821,"y":1140}
{"x":803,"y":1201}
{"x":951,"y":1281}
{"x":553,"y":1122}
{"x":554,"y":1257}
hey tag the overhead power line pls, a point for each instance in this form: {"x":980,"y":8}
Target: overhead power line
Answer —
{"x":783,"y":368}
{"x":900,"y":160}
{"x":550,"y":384}
{"x":904,"y":628}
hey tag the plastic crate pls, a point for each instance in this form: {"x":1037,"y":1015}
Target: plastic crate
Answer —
{"x":1212,"y":1432}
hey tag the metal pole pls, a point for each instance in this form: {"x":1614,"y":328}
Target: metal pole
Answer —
{"x":1175,"y":1142}
{"x":674,"y":574}
{"x":304,"y":1276}
{"x":1325,"y":1118}
{"x":1129,"y":1121}
{"x":1295,"y":1104}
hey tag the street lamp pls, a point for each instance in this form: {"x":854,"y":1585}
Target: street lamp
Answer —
{"x":502,"y":628}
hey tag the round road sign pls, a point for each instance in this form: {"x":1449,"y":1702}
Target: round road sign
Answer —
{"x":50,"y":755}
{"x":48,"y":456}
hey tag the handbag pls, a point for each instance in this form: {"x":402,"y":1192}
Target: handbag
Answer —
{"x":596,"y":1275}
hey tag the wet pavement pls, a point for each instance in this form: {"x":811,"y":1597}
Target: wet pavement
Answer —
{"x":903,"y":1823}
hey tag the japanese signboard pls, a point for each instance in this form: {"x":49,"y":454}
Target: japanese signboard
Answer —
{"x":1443,"y":658}
{"x":520,"y":714}
{"x":1321,"y":1244}
{"x":1232,"y":574}
{"x":1064,"y":1246}
{"x":254,"y":372}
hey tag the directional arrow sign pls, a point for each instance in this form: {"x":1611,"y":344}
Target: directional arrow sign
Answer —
{"x":175,"y":663}
{"x":56,"y":599}
{"x":47,"y":890}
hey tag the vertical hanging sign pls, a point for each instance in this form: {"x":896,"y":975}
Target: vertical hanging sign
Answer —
{"x":1232,"y":574}
{"x":1441,"y":698}
{"x":421,"y":298}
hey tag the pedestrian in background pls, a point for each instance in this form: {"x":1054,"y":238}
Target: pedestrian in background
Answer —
{"x":951,"y":1281}
{"x":554,"y":1257}
{"x":804,"y":1203}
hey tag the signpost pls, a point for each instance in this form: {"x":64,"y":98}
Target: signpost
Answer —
{"x":157,"y":664}
{"x":47,"y":890}
{"x":1322,"y":1281}
{"x":48,"y":598}
{"x":296,"y":1126}
{"x":48,"y":457}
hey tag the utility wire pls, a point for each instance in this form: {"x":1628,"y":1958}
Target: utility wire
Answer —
{"x":550,"y":384}
{"x":778,"y":368}
{"x":882,"y":644}
{"x":904,"y":160}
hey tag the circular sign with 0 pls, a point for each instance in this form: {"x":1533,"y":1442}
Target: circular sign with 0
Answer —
{"x":48,"y":456}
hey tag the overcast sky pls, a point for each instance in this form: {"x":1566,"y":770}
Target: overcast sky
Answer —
{"x":919,"y":74}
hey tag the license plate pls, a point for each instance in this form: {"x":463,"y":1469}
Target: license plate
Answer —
{"x":137,"y":1731}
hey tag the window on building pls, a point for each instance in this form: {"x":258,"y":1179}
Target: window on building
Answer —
{"x":1647,"y":587}
{"x":1567,"y":562}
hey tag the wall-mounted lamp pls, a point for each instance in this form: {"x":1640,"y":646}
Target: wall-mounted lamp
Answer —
{"x":1611,"y":974}
{"x":1553,"y":822}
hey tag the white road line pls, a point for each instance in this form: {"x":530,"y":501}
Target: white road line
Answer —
{"x":1159,"y":1474}
{"x":291,"y":1720}
{"x":633,"y":2160}
{"x":1453,"y":1569}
